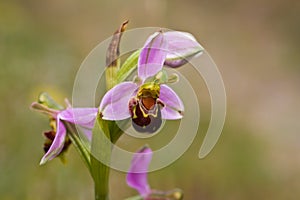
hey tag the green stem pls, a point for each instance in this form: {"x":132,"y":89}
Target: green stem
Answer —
{"x":100,"y":158}
{"x":106,"y":133}
{"x":83,"y":152}
{"x":101,"y":179}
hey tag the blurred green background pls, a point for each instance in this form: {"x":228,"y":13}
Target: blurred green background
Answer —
{"x":256,"y":45}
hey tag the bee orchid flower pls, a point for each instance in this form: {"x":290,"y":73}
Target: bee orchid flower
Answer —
{"x":57,"y":137}
{"x":150,"y":100}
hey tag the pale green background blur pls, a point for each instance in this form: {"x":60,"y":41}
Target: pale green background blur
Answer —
{"x":256,"y":45}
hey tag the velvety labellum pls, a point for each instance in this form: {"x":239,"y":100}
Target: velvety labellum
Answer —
{"x":145,"y":114}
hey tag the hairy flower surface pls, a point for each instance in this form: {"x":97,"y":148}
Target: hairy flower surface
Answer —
{"x":150,"y":100}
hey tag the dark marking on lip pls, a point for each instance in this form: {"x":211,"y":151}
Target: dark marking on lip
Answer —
{"x":142,"y":123}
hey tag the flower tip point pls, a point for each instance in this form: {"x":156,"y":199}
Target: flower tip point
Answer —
{"x":33,"y":105}
{"x":124,"y":25}
{"x":43,"y":161}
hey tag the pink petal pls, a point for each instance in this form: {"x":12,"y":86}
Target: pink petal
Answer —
{"x":173,"y":108}
{"x":80,"y":116}
{"x":152,"y":56}
{"x":115,"y":103}
{"x":57,"y":144}
{"x":182,"y":47}
{"x":137,"y":174}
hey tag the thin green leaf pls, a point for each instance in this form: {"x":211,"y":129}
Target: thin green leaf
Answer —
{"x":100,"y":150}
{"x":128,"y":66}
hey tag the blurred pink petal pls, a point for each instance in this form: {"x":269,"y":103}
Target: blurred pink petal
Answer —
{"x":137,"y":174}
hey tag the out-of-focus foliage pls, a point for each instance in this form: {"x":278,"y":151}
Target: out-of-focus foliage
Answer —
{"x":254,"y":43}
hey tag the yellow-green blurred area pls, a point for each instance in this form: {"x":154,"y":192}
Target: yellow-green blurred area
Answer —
{"x":256,"y":46}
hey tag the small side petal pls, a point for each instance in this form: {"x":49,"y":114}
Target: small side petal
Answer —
{"x":80,"y":116}
{"x":137,"y":174}
{"x":58,"y":143}
{"x":173,"y":108}
{"x":182,"y":47}
{"x":152,"y":56}
{"x":115,"y":103}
